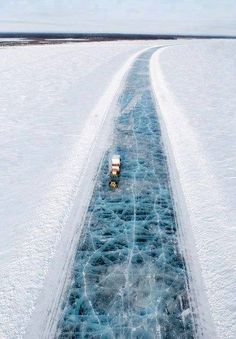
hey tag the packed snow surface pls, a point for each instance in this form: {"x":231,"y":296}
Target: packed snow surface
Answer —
{"x":195,"y":85}
{"x":48,"y":122}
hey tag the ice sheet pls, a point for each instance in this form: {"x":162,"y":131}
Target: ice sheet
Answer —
{"x":129,"y":278}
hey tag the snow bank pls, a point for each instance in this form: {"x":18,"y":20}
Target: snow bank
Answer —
{"x":195,"y":86}
{"x":49,"y":125}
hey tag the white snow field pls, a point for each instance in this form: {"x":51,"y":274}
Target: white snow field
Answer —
{"x":195,"y":86}
{"x":54,"y":101}
{"x":53,"y":105}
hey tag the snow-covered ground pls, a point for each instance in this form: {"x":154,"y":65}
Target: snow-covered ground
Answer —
{"x":54,"y":125}
{"x":195,"y":87}
{"x":53,"y":102}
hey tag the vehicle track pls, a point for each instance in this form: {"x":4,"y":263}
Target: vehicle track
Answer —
{"x":129,"y":278}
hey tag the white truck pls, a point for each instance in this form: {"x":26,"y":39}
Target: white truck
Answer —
{"x":114,"y":170}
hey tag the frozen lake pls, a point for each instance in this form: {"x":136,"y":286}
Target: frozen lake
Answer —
{"x":129,"y":277}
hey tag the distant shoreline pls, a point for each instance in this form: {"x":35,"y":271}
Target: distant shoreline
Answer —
{"x":27,"y":39}
{"x":109,"y":36}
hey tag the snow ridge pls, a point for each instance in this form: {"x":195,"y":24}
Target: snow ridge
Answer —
{"x":195,"y":87}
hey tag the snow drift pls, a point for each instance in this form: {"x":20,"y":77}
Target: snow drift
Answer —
{"x":195,"y":86}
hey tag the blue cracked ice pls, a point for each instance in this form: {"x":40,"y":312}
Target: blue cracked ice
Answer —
{"x":129,"y":278}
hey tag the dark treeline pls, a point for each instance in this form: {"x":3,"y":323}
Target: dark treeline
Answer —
{"x":110,"y":36}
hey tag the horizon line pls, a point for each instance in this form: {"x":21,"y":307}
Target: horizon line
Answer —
{"x":146,"y":36}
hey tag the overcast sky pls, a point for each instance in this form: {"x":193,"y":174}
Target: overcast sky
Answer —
{"x":131,"y":16}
